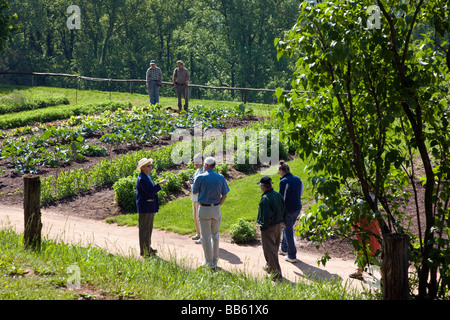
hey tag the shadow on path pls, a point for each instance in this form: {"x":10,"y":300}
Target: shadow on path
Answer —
{"x":230,"y":257}
{"x":310,"y":272}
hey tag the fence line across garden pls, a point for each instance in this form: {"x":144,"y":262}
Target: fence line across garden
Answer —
{"x":132,"y":81}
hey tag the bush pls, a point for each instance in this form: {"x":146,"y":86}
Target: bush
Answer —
{"x":243,"y":231}
{"x":125,"y":193}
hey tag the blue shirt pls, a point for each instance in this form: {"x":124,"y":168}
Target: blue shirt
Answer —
{"x":210,"y":186}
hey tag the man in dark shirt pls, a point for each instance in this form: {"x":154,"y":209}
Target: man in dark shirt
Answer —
{"x":271,"y":219}
{"x":291,"y":189}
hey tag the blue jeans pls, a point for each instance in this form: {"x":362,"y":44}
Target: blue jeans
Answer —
{"x":287,"y":239}
{"x":153,"y":92}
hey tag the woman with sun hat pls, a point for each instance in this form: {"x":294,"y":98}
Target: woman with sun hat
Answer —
{"x":147,"y":204}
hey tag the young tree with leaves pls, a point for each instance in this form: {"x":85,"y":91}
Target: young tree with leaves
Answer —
{"x":376,"y":114}
{"x":6,"y":23}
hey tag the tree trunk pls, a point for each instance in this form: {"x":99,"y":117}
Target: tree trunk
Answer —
{"x":32,"y":211}
{"x":394,"y":267}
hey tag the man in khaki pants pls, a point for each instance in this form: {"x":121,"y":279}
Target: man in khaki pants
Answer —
{"x":212,"y":190}
{"x":180,"y":81}
{"x":198,"y":162}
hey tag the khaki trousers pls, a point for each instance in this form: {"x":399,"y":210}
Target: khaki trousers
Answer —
{"x":145,"y":232}
{"x":210,"y":218}
{"x":195,"y":205}
{"x":271,"y":239}
{"x":182,"y":91}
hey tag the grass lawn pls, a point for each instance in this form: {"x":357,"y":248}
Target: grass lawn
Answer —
{"x":47,"y":274}
{"x":242,"y":201}
{"x":136,"y":99}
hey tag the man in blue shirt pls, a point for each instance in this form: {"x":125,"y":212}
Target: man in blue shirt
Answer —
{"x":212,"y":190}
{"x":291,"y":189}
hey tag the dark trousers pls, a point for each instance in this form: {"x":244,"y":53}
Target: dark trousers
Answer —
{"x":271,"y":238}
{"x":182,"y":91}
{"x":145,"y":232}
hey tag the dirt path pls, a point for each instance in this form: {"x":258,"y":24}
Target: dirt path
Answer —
{"x":124,"y":240}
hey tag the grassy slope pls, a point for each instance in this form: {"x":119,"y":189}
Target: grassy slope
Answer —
{"x":89,"y":96}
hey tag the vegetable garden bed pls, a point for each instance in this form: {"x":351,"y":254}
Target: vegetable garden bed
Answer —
{"x":88,"y":148}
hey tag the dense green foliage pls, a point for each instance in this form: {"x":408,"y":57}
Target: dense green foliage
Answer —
{"x":243,"y":231}
{"x":376,"y":127}
{"x":6,"y":23}
{"x":223,"y":43}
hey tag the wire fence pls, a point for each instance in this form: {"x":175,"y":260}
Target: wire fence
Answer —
{"x":131,"y":82}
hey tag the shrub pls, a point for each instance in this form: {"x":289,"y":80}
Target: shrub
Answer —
{"x":125,"y":193}
{"x":243,"y":231}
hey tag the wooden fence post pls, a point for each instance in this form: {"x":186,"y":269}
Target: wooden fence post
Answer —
{"x":32,"y":211}
{"x":394,"y":267}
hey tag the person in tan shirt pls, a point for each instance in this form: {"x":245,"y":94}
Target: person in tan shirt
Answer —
{"x":180,"y":81}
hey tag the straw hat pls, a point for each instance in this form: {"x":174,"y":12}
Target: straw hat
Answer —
{"x":142,"y":162}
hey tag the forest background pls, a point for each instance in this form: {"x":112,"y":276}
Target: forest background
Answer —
{"x":222,"y":42}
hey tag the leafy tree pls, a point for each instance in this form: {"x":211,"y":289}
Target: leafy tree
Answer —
{"x":6,"y":23}
{"x":374,"y":123}
{"x":226,"y":43}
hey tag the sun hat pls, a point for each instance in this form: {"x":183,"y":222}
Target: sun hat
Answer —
{"x":143,"y":162}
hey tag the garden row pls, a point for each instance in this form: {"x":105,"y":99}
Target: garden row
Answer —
{"x":53,"y":145}
{"x":25,"y":118}
{"x":125,"y":188}
{"x":121,"y":173}
{"x":19,"y":102}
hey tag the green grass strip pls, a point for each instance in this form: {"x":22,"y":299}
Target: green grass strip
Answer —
{"x":24,"y":118}
{"x":45,"y":275}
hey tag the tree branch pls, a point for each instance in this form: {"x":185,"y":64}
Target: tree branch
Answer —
{"x":408,"y":37}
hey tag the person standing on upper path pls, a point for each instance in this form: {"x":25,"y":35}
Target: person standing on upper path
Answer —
{"x":212,"y":189}
{"x":154,"y":80}
{"x":198,"y":162}
{"x":271,"y":219}
{"x":291,"y":189}
{"x":147,"y":205}
{"x":180,"y":81}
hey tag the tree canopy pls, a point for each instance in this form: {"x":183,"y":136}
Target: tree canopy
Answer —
{"x":6,"y":23}
{"x":375,"y":124}
{"x":223,"y":43}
